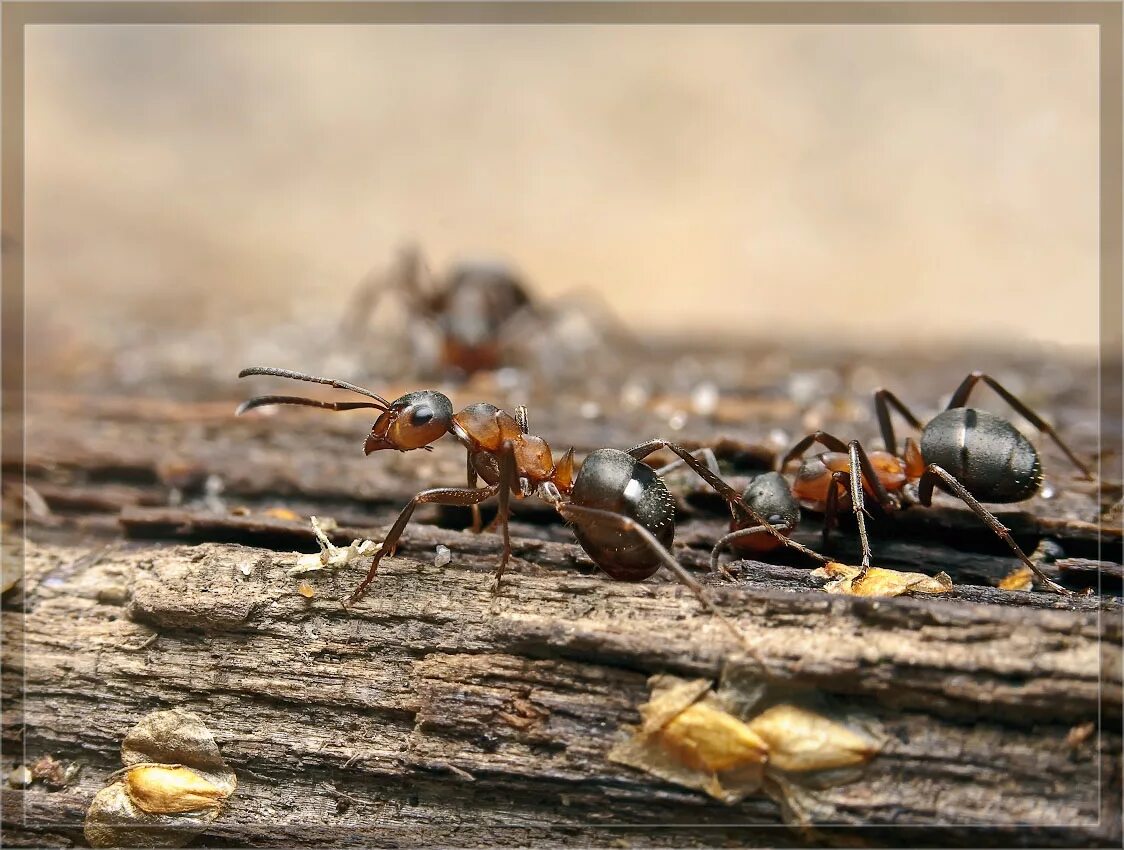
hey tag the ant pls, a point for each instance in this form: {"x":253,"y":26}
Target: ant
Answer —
{"x":622,"y":513}
{"x":770,"y":496}
{"x":970,"y":453}
{"x":469,"y":309}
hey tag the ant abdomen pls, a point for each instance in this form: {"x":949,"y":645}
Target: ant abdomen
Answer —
{"x":986,"y":453}
{"x":614,"y":481}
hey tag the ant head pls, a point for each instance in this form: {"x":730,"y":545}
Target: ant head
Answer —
{"x":411,"y":422}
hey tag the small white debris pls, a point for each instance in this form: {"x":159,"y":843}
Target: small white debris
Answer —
{"x":20,"y":777}
{"x":212,"y":494}
{"x":704,"y":399}
{"x":443,"y":556}
{"x":246,"y":568}
{"x":634,"y":395}
{"x":330,"y":555}
{"x":779,"y":437}
{"x":589,"y":410}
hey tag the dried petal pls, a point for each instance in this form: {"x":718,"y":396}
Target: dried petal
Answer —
{"x":879,"y":582}
{"x":163,"y":790}
{"x":171,"y":788}
{"x":708,"y":739}
{"x":282,"y":513}
{"x":800,"y":740}
{"x":306,"y":590}
{"x":670,"y":696}
{"x":1079,"y":734}
{"x":1020,"y":578}
{"x":689,"y":737}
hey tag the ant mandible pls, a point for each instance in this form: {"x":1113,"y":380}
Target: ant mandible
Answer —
{"x":970,"y":453}
{"x":622,"y":512}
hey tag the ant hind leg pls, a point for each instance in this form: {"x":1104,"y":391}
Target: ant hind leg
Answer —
{"x":732,"y":497}
{"x":577,"y":513}
{"x":934,"y":473}
{"x":960,"y":398}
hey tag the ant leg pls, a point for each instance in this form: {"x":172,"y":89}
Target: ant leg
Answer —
{"x":832,"y":444}
{"x":960,"y":397}
{"x":859,"y":459}
{"x":403,"y":276}
{"x":840,"y":486}
{"x":732,"y":497}
{"x":437,"y":496}
{"x":723,"y":542}
{"x":575,"y":513}
{"x":705,"y":454}
{"x":853,"y":480}
{"x":507,"y":477}
{"x":883,"y":400}
{"x":933,"y":473}
{"x":477,"y":522}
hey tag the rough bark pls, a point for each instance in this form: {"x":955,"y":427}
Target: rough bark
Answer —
{"x":434,"y":713}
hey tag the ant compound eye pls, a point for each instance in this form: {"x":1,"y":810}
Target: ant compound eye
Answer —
{"x":418,"y":419}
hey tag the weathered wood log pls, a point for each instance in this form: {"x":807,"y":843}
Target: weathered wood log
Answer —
{"x":433,"y":712}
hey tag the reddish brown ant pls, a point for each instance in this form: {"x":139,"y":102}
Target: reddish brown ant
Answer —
{"x":469,"y":309}
{"x":969,"y":453}
{"x":482,"y":316}
{"x":769,"y":495}
{"x":622,"y":512}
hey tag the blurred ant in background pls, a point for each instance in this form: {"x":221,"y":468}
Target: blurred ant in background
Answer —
{"x":969,"y":453}
{"x":479,"y":317}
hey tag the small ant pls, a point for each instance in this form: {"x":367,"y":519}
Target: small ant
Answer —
{"x":622,"y":513}
{"x":969,"y":453}
{"x":768,"y":495}
{"x":469,"y":309}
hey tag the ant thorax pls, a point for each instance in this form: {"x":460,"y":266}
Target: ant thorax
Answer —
{"x":484,"y":430}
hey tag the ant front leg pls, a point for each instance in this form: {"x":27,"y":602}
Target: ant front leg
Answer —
{"x":579,"y":514}
{"x":732,"y":497}
{"x":477,"y":522}
{"x":740,"y":534}
{"x":862,"y":475}
{"x":960,"y":398}
{"x":934,"y":473}
{"x":844,"y":482}
{"x":438,"y":496}
{"x":506,"y":480}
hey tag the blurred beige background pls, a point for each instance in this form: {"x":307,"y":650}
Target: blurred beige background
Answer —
{"x":889,"y":184}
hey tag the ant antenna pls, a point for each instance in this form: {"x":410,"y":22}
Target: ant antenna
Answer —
{"x":300,"y":376}
{"x":263,"y":400}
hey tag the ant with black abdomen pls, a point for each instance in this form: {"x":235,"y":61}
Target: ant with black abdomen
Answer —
{"x":969,"y":453}
{"x":622,"y":513}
